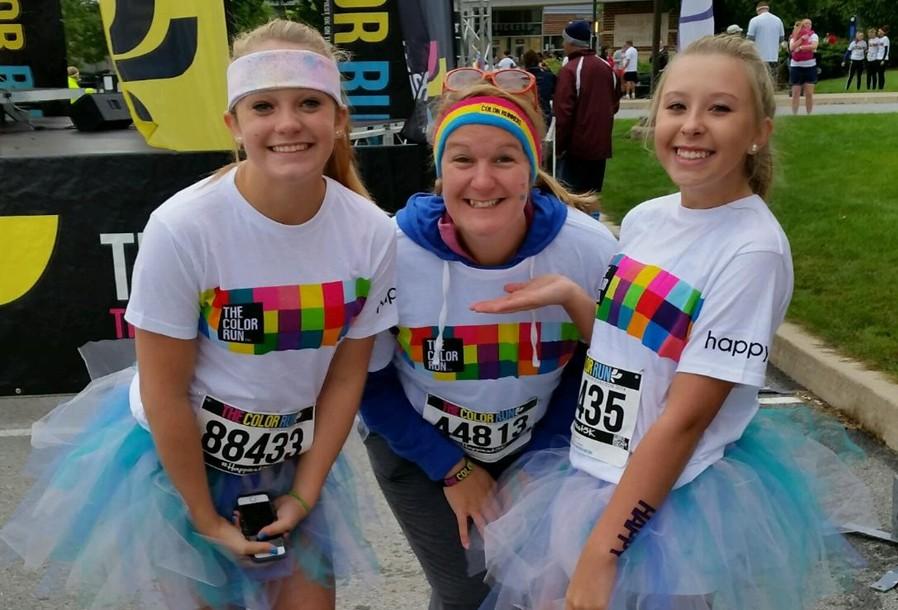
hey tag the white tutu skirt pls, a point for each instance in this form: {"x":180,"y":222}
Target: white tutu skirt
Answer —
{"x":106,"y":523}
{"x":758,"y":530}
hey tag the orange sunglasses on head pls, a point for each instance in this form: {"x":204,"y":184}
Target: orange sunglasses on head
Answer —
{"x":510,"y":80}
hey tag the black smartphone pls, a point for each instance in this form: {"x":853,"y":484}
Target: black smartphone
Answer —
{"x":255,"y":513}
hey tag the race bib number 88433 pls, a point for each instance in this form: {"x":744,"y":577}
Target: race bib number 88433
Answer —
{"x":242,"y":442}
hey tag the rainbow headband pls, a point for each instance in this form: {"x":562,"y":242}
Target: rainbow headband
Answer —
{"x":495,"y":112}
{"x":282,"y":68}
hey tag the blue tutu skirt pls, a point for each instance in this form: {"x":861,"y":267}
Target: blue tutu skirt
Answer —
{"x":108,"y":526}
{"x":755,"y":531}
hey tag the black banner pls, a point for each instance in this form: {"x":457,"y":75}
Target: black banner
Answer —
{"x":89,"y":211}
{"x":376,"y":77}
{"x":32,"y":44}
{"x":429,"y":53}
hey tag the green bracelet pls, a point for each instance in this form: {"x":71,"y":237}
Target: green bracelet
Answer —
{"x":299,"y":499}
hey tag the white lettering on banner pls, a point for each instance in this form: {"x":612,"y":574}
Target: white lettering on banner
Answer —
{"x":118,"y":241}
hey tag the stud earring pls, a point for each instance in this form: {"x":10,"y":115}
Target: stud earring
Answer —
{"x":339,"y":133}
{"x":754,"y":149}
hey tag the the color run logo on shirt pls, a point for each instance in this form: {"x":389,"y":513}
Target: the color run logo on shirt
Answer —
{"x":650,"y":304}
{"x":489,"y":351}
{"x":278,"y":318}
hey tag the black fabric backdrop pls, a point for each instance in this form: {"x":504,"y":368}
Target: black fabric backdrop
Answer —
{"x":114,"y":194}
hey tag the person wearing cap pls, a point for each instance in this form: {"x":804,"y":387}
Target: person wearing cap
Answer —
{"x":734,"y":30}
{"x":768,"y":34}
{"x":587,"y":96}
{"x":454,"y":397}
{"x":256,"y":297}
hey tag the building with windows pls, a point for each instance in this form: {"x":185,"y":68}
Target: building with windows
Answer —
{"x":519,"y":25}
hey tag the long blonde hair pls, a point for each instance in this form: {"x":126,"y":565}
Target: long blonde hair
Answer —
{"x":758,"y":166}
{"x":544,"y":181}
{"x":342,"y":165}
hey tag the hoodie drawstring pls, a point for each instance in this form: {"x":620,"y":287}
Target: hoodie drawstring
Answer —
{"x":441,"y":324}
{"x":534,"y":336}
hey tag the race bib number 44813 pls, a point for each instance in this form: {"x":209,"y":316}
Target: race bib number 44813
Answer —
{"x":242,"y":442}
{"x":607,"y":409}
{"x":485,"y":436}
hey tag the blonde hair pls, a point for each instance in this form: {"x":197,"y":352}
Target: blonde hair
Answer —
{"x":544,"y":181}
{"x":758,"y":166}
{"x":342,"y":165}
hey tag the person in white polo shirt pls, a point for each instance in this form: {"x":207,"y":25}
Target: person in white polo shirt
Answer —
{"x":768,"y":34}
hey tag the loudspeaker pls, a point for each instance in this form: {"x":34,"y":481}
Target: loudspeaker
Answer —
{"x":98,"y":111}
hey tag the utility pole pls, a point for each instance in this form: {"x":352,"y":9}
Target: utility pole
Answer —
{"x":656,"y":44}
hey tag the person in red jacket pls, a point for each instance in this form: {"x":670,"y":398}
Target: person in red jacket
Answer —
{"x":587,"y":95}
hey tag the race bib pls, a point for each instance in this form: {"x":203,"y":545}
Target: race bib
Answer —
{"x":487,"y":437}
{"x":607,"y":407}
{"x":243,"y":442}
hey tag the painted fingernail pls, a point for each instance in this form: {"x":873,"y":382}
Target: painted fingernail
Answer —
{"x":274,"y":550}
{"x":261,"y":536}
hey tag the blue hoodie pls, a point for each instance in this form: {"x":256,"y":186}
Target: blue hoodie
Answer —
{"x":385,"y":409}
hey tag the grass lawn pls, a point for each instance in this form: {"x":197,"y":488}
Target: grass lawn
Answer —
{"x":836,"y":195}
{"x":837,"y":85}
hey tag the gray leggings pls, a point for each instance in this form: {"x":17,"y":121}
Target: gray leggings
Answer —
{"x":429,"y":526}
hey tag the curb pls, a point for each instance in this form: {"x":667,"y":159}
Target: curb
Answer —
{"x":868,"y":397}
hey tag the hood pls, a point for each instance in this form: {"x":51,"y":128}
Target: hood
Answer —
{"x":420,"y":217}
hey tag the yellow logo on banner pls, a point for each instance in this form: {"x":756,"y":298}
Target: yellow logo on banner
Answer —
{"x":171,"y":57}
{"x":28,"y":243}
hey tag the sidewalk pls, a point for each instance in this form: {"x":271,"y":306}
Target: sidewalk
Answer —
{"x":820,"y":99}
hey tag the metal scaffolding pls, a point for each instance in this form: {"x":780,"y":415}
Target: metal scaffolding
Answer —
{"x":476,"y":48}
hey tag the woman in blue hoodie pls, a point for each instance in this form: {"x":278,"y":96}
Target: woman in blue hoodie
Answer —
{"x":455,"y":396}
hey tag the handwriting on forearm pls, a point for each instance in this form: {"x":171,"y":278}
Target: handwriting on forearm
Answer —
{"x":638,"y":518}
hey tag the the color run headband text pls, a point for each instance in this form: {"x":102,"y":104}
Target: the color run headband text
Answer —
{"x":495,"y":112}
{"x":279,"y":69}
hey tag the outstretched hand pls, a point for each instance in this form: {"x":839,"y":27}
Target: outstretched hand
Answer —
{"x":524,"y":296}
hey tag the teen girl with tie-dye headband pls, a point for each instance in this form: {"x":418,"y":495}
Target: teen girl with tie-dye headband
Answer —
{"x":676,"y":494}
{"x":256,"y":297}
{"x":457,"y":395}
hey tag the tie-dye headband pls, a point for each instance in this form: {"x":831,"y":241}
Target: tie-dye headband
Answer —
{"x":282,"y":68}
{"x":495,"y":112}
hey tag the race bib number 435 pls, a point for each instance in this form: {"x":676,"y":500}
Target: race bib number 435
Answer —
{"x":607,"y":406}
{"x":243,"y":442}
{"x":485,"y":436}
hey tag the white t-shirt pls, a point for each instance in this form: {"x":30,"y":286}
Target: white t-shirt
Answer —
{"x":631,"y":59}
{"x":767,"y":31}
{"x":691,"y":291}
{"x":885,"y":51}
{"x":875,"y":50}
{"x":268,"y":303}
{"x":857,"y":48}
{"x":506,"y":62}
{"x":807,"y":63}
{"x":486,"y":379}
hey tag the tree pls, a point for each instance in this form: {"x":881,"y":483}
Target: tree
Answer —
{"x":827,"y":15}
{"x":84,"y":37}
